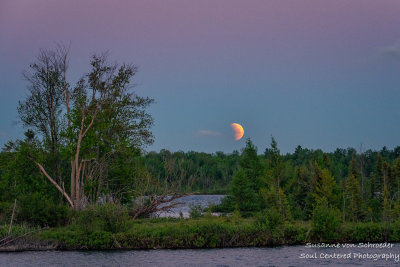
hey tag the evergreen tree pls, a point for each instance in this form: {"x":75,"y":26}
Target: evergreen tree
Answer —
{"x":275,"y":163}
{"x":252,"y":165}
{"x":246,"y":182}
{"x":355,"y":212}
{"x":354,"y":170}
{"x":386,"y":205}
{"x":324,"y":186}
{"x":379,"y":182}
{"x":396,"y":177}
{"x":276,"y":200}
{"x":243,"y":193}
{"x":300,"y":189}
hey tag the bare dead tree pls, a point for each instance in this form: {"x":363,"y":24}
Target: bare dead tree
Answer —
{"x":156,"y":203}
{"x":153,"y":197}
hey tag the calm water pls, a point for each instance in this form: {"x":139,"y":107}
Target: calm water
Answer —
{"x":201,"y":200}
{"x":279,"y":256}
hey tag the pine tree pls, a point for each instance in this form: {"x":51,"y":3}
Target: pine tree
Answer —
{"x":323,"y":185}
{"x":355,"y":212}
{"x":387,"y":209}
{"x":300,"y":189}
{"x":275,"y":164}
{"x":276,"y":200}
{"x":243,"y":194}
{"x":396,"y":176}
{"x":252,"y":165}
{"x":379,"y":173}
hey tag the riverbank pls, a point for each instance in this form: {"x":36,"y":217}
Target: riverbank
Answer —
{"x":206,"y":232}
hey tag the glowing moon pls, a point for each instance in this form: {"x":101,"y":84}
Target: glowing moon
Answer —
{"x":238,"y":130}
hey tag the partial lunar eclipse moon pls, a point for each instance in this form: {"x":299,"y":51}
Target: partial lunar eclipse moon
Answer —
{"x":238,"y":130}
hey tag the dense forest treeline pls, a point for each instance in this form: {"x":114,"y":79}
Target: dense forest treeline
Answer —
{"x":208,"y":173}
{"x":196,"y":172}
{"x":361,"y":185}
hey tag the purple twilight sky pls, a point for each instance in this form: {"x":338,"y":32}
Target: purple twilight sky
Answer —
{"x":320,"y":74}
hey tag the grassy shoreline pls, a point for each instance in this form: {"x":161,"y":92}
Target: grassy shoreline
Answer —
{"x":206,"y":232}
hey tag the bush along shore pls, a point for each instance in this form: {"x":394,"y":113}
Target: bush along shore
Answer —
{"x":107,"y":228}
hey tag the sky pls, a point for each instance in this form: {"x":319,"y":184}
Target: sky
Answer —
{"x":320,"y":74}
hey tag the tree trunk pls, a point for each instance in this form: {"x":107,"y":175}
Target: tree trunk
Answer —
{"x":72,"y":180}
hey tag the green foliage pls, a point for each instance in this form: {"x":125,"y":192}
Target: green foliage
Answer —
{"x":275,"y":165}
{"x":16,"y":231}
{"x":247,"y":182}
{"x":387,"y":209}
{"x":324,"y":186}
{"x":99,"y":240}
{"x":355,"y":211}
{"x":395,"y":231}
{"x":374,"y":210}
{"x":236,"y":216}
{"x":37,"y":209}
{"x":213,"y":232}
{"x":195,"y":211}
{"x":19,"y":176}
{"x":252,"y":165}
{"x":276,"y":201}
{"x":270,"y":219}
{"x":325,"y":221}
{"x":227,"y":205}
{"x":300,"y":194}
{"x":243,"y":193}
{"x":109,"y":217}
{"x":195,"y":171}
{"x":5,"y":211}
{"x":366,"y":232}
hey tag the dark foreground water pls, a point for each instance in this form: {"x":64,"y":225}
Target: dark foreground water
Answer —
{"x":279,"y":256}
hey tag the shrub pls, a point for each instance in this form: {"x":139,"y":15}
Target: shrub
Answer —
{"x":294,"y":234}
{"x":270,"y":219}
{"x":395,"y":235}
{"x":195,"y":211}
{"x":36,"y":209}
{"x":5,"y":211}
{"x":325,"y":222}
{"x":363,"y":232}
{"x":108,"y":217}
{"x":227,"y":205}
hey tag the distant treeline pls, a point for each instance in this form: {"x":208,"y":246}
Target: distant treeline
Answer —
{"x":193,"y":171}
{"x":213,"y":172}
